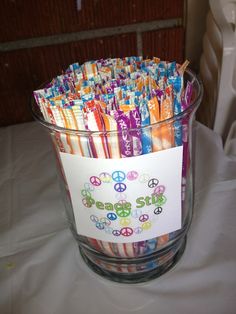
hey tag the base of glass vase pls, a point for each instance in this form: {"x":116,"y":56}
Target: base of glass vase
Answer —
{"x":134,"y":270}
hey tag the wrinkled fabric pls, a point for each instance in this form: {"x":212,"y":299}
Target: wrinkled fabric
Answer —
{"x":41,"y":271}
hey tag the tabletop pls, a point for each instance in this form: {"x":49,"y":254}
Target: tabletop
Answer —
{"x":41,"y":271}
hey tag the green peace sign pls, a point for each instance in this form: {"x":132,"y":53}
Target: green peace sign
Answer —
{"x":123,"y":212}
{"x":161,"y":200}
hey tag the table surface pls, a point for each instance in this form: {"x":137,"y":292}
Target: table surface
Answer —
{"x":41,"y":271}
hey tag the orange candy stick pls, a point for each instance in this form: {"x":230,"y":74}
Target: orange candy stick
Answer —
{"x":153,"y":106}
{"x":167,"y":130}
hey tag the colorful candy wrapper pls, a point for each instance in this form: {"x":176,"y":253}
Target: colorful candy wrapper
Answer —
{"x":90,"y":69}
{"x":58,"y":140}
{"x":69,"y":124}
{"x":95,"y":123}
{"x":171,"y":69}
{"x":151,"y":245}
{"x":52,"y":115}
{"x":80,"y":125}
{"x":162,"y":240}
{"x":66,"y":123}
{"x":107,"y":248}
{"x":177,"y":83}
{"x":154,"y":111}
{"x":105,"y":73}
{"x":40,"y":102}
{"x":135,"y":123}
{"x":125,"y":139}
{"x":112,"y":139}
{"x":167,"y":129}
{"x":73,"y":67}
{"x":146,"y":132}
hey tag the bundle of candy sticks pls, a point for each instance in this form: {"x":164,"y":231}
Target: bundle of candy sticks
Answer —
{"x":140,"y":99}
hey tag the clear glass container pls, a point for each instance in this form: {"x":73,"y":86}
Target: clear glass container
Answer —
{"x":127,"y":261}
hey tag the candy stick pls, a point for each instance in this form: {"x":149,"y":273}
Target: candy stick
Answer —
{"x":80,"y":125}
{"x":183,"y":67}
{"x":146,"y":132}
{"x":90,"y":69}
{"x":58,"y":136}
{"x":154,"y":110}
{"x":177,"y":83}
{"x":49,"y":117}
{"x":167,"y":131}
{"x":162,"y":240}
{"x":59,"y":122}
{"x":72,"y":140}
{"x":112,"y":139}
{"x":116,"y":249}
{"x":135,"y":124}
{"x":123,"y":125}
{"x":67,"y":136}
{"x":94,"y":124}
{"x":80,"y":146}
{"x":107,"y":248}
{"x":98,"y":245}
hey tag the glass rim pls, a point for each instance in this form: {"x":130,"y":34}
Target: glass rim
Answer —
{"x":194,"y":104}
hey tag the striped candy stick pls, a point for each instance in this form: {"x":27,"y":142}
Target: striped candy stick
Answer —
{"x":166,"y":112}
{"x":154,"y":110}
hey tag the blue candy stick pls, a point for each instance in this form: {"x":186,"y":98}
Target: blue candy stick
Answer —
{"x":177,"y":82}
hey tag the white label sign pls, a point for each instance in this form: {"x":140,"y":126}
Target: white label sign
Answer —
{"x":126,"y":200}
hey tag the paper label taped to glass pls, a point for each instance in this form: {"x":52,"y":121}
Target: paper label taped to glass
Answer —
{"x":126,"y":200}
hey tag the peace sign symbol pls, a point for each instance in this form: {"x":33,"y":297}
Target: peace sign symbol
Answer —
{"x":88,"y":187}
{"x":160,"y":189}
{"x":122,"y":201}
{"x":95,"y":181}
{"x":158,"y":210}
{"x":144,"y":178}
{"x":108,"y":230}
{"x":125,"y":222}
{"x":94,"y":218}
{"x":136,"y":212}
{"x":146,"y":225}
{"x":143,"y":218}
{"x":105,"y":177}
{"x":120,"y":187}
{"x":152,"y":183}
{"x":126,"y":231}
{"x":99,"y":225}
{"x":111,"y":216}
{"x":138,"y":230}
{"x":123,"y":212}
{"x":121,"y":196}
{"x":86,"y":202}
{"x":116,"y":233}
{"x":161,"y":200}
{"x":105,"y":221}
{"x":85,"y":193}
{"x":132,"y":175}
{"x":118,"y":176}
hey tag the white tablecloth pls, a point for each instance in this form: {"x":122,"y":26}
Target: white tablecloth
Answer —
{"x":41,"y":271}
